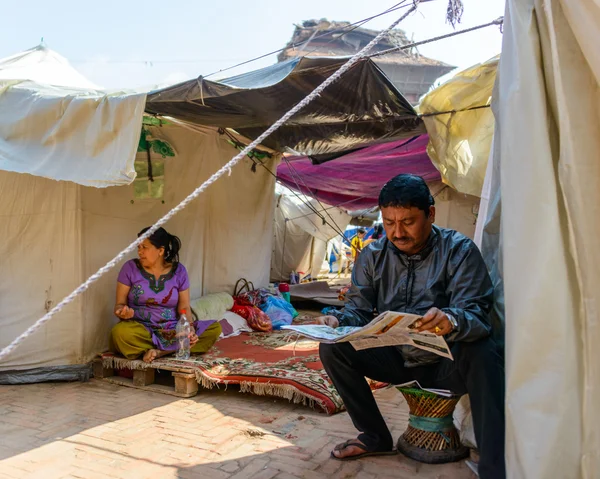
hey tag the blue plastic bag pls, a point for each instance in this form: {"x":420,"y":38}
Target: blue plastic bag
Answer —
{"x":279,"y":310}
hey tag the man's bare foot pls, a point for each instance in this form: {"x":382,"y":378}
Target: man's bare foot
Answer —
{"x":355,"y":449}
{"x":347,"y":449}
{"x":153,"y":354}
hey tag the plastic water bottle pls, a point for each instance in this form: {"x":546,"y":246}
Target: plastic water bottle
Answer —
{"x":182,"y":332}
{"x":284,"y":289}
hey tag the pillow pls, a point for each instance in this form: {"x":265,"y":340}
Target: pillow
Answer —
{"x":233,"y":325}
{"x":212,"y":306}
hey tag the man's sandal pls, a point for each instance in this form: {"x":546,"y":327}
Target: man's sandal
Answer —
{"x":360,"y":445}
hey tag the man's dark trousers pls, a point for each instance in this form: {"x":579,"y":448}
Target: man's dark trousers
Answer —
{"x":477,"y":370}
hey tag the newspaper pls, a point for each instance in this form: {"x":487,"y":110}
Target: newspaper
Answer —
{"x":387,"y":329}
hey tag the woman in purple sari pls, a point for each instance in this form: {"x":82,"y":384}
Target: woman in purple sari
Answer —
{"x":151,"y":293}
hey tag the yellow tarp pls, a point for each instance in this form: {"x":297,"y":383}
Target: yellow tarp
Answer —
{"x":459,"y":142}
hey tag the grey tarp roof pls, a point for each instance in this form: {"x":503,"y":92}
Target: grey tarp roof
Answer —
{"x":362,"y":107}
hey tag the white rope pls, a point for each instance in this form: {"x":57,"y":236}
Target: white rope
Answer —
{"x":234,"y":161}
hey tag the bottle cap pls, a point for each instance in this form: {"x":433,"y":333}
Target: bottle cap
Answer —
{"x":284,"y":288}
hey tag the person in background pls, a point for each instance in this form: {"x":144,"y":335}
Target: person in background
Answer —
{"x":377,"y":234}
{"x":357,"y":243}
{"x":151,"y":292}
{"x":436,"y":273}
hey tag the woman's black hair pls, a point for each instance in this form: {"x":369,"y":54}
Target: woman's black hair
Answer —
{"x":161,"y":239}
{"x":406,"y":191}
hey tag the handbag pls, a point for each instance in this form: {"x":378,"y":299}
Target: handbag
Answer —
{"x":246,"y":300}
{"x":245,"y":291}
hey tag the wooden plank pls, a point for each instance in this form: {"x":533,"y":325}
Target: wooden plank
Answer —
{"x":186,"y":384}
{"x":143,"y":377}
{"x":156,"y":388}
{"x":100,"y":371}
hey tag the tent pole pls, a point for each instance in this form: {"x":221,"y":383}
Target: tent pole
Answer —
{"x":283,"y":250}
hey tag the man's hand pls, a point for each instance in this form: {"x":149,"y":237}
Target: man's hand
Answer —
{"x":435,"y":321}
{"x":330,"y":321}
{"x":124,"y":312}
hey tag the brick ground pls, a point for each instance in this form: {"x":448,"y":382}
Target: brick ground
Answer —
{"x":98,"y":430}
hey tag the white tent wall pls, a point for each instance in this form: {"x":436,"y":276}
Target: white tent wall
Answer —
{"x":57,"y":234}
{"x":40,"y":264}
{"x":546,"y":146}
{"x":304,"y":253}
{"x":319,"y":249}
{"x":294,"y":254}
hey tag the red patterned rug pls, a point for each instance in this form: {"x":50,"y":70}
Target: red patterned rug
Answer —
{"x":274,"y":364}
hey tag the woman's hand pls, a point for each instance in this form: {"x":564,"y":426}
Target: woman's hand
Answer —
{"x":124,"y":312}
{"x":193,"y":339}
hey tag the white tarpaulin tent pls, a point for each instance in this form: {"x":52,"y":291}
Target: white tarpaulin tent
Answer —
{"x":57,"y":233}
{"x":300,"y":237}
{"x":43,"y":66}
{"x":546,"y":168}
{"x":56,"y":124}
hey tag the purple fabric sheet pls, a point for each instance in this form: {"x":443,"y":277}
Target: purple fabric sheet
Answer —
{"x":353,"y":181}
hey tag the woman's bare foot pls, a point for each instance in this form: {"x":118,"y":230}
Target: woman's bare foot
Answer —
{"x":153,"y":354}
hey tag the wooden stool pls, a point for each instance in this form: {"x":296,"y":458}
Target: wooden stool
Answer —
{"x":431,"y":436}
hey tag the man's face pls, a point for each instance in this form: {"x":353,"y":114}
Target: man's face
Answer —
{"x":407,"y":228}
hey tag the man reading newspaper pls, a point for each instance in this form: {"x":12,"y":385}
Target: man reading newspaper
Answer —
{"x":439,"y":274}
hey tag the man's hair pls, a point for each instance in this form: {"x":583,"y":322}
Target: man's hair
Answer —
{"x":406,"y":191}
{"x":361,"y":231}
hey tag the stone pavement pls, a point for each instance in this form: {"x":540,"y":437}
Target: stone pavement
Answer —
{"x":99,"y":430}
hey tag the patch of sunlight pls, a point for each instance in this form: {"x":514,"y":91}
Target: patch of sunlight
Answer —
{"x":463,"y":157}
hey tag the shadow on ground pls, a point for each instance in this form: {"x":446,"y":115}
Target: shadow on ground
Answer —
{"x":100,"y":428}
